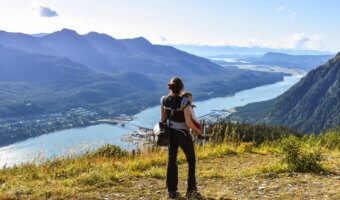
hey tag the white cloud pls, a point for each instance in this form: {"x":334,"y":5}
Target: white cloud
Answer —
{"x":303,"y":41}
{"x":251,"y":42}
{"x":299,"y":41}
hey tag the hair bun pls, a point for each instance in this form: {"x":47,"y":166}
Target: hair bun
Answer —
{"x":175,"y":85}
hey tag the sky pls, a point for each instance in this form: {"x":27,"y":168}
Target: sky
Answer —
{"x":297,"y":24}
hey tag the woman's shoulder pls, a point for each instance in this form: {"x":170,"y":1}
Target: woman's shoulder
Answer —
{"x":163,"y":99}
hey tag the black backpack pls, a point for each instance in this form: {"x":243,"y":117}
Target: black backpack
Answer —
{"x":162,"y":130}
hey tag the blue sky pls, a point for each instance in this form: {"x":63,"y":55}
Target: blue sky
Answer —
{"x":299,"y":24}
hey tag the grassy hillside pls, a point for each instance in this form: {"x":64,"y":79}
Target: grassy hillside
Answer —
{"x":286,"y":168}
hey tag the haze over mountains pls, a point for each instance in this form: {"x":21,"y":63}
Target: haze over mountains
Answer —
{"x":237,"y":51}
{"x":62,"y":70}
{"x":304,"y":62}
{"x":312,"y":105}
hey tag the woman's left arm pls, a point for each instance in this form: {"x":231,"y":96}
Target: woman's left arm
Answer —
{"x":163,"y":114}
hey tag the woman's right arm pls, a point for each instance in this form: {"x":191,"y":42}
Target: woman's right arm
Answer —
{"x":188,"y":121}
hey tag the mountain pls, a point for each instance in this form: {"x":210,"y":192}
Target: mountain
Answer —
{"x":63,"y":70}
{"x":55,"y":84}
{"x":105,"y":53}
{"x":70,"y":44}
{"x":25,"y":42}
{"x":20,"y":66}
{"x":139,"y":55}
{"x":305,"y":62}
{"x":311,"y":105}
{"x":140,"y":46}
{"x":235,"y":51}
{"x":106,"y":44}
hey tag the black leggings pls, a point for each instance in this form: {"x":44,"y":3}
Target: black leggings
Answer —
{"x":184,"y":140}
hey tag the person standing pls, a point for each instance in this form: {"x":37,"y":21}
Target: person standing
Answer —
{"x":179,"y":119}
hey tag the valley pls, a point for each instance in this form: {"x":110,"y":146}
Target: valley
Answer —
{"x":42,"y":79}
{"x":78,"y":140}
{"x":188,"y":100}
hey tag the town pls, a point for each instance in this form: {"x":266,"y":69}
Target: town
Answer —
{"x":17,"y":129}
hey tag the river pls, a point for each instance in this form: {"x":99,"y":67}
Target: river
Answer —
{"x":78,"y":140}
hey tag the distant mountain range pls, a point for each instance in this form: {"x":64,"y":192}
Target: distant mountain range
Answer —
{"x":105,"y":53}
{"x":312,"y":105}
{"x":236,"y":51}
{"x":305,"y":62}
{"x":62,"y":70}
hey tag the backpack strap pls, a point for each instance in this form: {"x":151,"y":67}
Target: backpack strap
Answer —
{"x":162,"y":103}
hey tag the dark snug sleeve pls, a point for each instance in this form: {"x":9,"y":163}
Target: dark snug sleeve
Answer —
{"x":162,"y":100}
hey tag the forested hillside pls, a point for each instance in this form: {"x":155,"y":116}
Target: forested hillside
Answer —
{"x":313,"y":104}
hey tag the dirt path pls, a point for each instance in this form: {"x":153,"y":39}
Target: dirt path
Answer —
{"x":235,"y":177}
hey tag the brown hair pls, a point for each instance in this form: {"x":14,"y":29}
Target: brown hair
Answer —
{"x":175,"y":85}
{"x":186,"y":94}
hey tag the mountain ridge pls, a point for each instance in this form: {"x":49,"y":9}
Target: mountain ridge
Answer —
{"x":141,"y":78}
{"x":105,"y":53}
{"x":311,"y":105}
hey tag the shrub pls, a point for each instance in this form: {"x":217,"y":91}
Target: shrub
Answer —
{"x":91,"y":178}
{"x":246,"y":147}
{"x":139,"y":165}
{"x":330,"y":139}
{"x":222,"y":150}
{"x":300,"y":157}
{"x":158,"y":173}
{"x":235,"y":133}
{"x":109,"y":151}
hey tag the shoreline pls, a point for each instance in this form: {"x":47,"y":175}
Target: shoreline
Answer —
{"x":55,"y":143}
{"x":139,"y":111}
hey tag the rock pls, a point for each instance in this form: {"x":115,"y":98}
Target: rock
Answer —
{"x":261,"y":188}
{"x":291,"y":174}
{"x":270,"y":175}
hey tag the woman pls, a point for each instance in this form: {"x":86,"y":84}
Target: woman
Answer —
{"x":180,"y":121}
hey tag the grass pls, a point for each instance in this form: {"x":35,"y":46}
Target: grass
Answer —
{"x":224,"y":171}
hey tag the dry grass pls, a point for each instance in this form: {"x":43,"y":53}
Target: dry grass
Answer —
{"x":223,"y":172}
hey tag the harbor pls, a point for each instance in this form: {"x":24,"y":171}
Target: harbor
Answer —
{"x":145,"y":136}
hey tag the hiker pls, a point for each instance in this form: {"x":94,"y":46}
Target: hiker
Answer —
{"x":179,"y":119}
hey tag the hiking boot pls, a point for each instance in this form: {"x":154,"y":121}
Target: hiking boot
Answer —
{"x":193,"y":194}
{"x":173,"y":195}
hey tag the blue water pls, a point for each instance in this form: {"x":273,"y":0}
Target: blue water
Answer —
{"x":78,"y":140}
